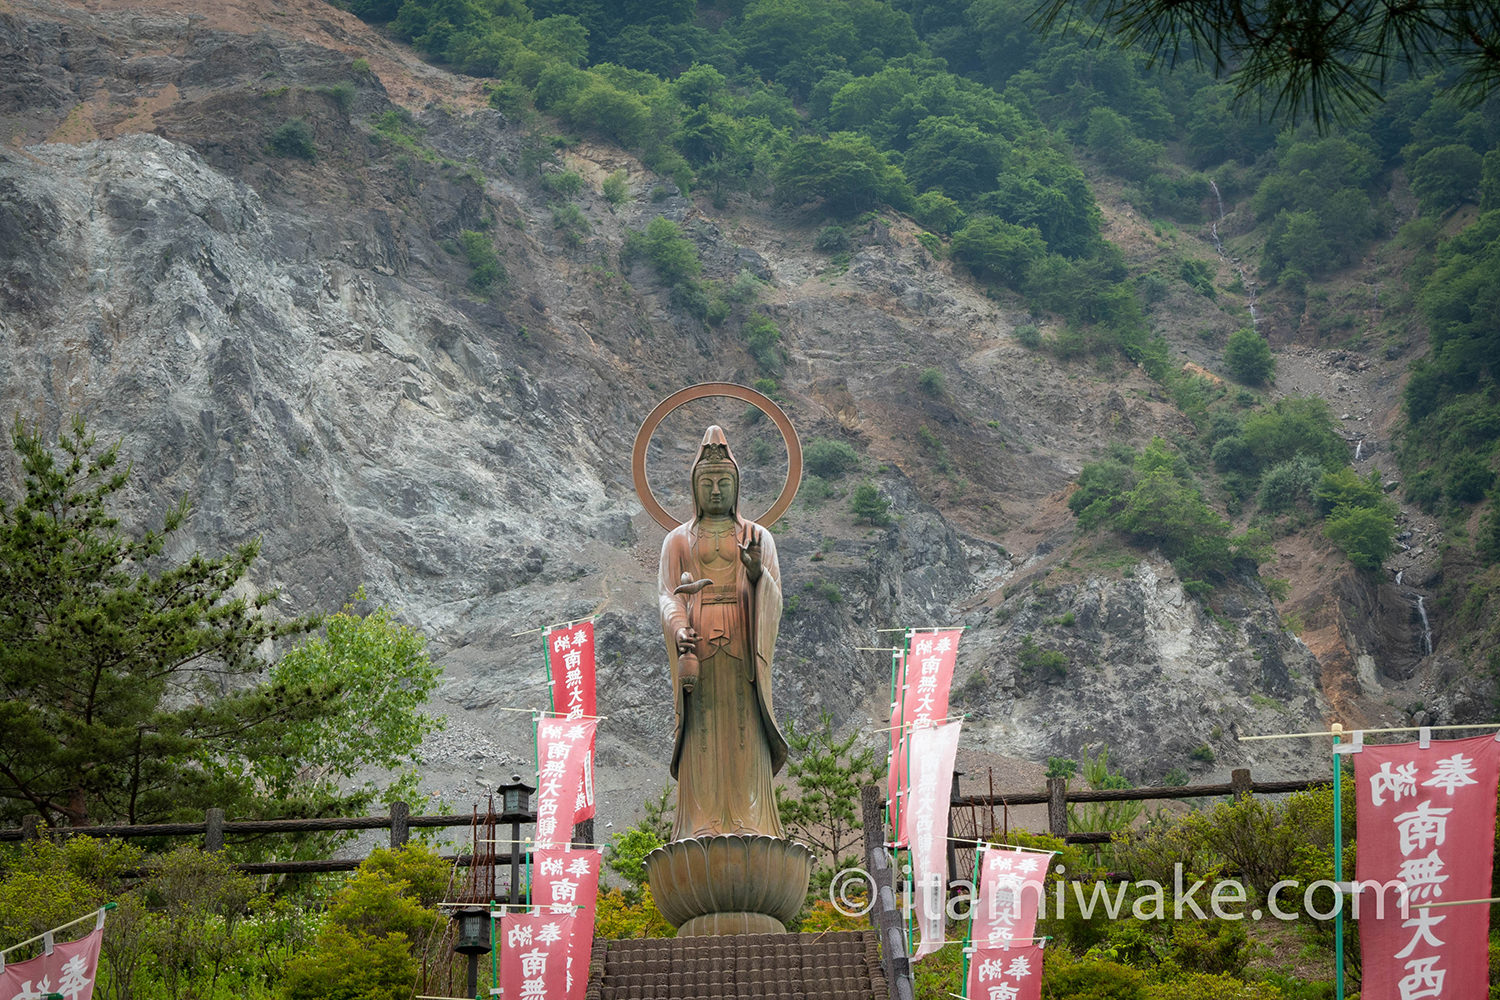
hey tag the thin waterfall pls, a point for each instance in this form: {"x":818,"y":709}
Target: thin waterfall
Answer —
{"x":1426,"y":626}
{"x":1233,"y":262}
{"x":1359,"y":447}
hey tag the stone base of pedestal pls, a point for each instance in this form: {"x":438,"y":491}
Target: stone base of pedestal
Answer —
{"x":730,"y":884}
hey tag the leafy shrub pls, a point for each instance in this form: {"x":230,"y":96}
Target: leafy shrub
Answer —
{"x":620,"y":916}
{"x":1198,"y":276}
{"x":342,"y":96}
{"x":614,"y":188}
{"x":1091,"y":979}
{"x":670,"y":253}
{"x":869,"y":506}
{"x":762,"y":338}
{"x":568,"y":219}
{"x":295,"y":139}
{"x":479,"y":251}
{"x":1294,"y":425}
{"x":1029,"y":335}
{"x":1285,"y":485}
{"x":563,"y":182}
{"x":1046,"y":665}
{"x":1196,"y":985}
{"x":828,"y":458}
{"x":1469,"y":477}
{"x":832,"y":239}
{"x":1445,"y":177}
{"x":1247,"y":357}
{"x":1364,"y":534}
{"x":938,"y":212}
{"x":994,"y":248}
{"x":378,"y":931}
{"x":931,"y":380}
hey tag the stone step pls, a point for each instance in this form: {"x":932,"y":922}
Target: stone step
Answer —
{"x":841,"y":965}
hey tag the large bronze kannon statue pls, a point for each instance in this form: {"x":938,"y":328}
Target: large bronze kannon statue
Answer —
{"x":720,"y":588}
{"x":728,"y":869}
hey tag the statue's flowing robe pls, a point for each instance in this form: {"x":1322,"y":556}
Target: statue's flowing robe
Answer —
{"x":727,"y":746}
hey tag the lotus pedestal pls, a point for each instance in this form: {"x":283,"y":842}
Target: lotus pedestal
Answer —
{"x":730,"y":884}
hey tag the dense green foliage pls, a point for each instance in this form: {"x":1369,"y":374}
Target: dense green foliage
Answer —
{"x":135,"y":688}
{"x":1247,"y":356}
{"x":101,"y":638}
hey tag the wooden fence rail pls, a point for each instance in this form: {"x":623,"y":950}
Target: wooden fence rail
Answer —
{"x":965,"y":827}
{"x":215,"y":827}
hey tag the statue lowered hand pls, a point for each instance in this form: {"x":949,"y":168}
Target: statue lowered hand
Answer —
{"x":687,"y":639}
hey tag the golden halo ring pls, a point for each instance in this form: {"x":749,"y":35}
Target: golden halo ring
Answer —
{"x":727,"y":390}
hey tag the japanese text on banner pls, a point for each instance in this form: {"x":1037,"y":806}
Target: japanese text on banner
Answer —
{"x":69,"y":970}
{"x":534,"y":956}
{"x":932,"y":754}
{"x":1005,"y":974}
{"x":567,"y":881}
{"x":565,"y":786}
{"x":1426,"y":820}
{"x":570,"y":659}
{"x":923,"y":682}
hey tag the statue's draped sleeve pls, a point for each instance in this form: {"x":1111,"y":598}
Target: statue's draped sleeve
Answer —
{"x":762,"y":606}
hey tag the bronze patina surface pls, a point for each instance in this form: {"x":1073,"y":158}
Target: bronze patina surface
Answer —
{"x":729,"y":868}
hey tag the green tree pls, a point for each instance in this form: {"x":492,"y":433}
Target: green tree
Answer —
{"x":672,"y":255}
{"x":380,"y":930}
{"x":829,"y":458}
{"x":845,"y":171}
{"x":113,"y":659}
{"x":380,"y":671}
{"x":1446,"y":177}
{"x":1364,"y":533}
{"x":869,"y":506}
{"x":991,"y":247}
{"x":823,"y":811}
{"x":1247,"y":357}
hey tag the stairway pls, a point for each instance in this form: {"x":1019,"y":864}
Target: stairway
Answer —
{"x":826,"y":966}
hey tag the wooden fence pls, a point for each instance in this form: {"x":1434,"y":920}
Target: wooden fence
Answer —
{"x":965,"y":825}
{"x":215,"y":828}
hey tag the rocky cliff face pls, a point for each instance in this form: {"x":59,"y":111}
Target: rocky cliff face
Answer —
{"x":292,"y":345}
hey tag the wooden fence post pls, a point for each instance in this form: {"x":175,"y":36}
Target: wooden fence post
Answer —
{"x":1057,"y":807}
{"x":30,"y":826}
{"x":213,"y":830}
{"x":1239,"y":780}
{"x":400,"y":824}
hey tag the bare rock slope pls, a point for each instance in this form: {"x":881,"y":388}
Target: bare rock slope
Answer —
{"x":293,"y":346}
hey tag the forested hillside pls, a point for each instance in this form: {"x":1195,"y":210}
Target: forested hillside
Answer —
{"x":1374,"y":234}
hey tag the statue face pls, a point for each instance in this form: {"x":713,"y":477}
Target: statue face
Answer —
{"x":716,"y":489}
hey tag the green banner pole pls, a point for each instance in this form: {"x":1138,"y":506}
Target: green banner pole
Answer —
{"x":1338,"y":864}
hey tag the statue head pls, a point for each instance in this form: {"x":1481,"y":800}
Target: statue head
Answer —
{"x":716,"y":476}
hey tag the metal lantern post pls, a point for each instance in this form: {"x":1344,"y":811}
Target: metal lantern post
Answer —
{"x":472,"y":938}
{"x":515,"y":809}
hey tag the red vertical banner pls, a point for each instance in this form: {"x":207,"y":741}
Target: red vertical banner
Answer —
{"x":932,"y":749}
{"x":534,"y":956}
{"x":69,"y":970}
{"x":567,"y":881}
{"x":565,"y":787}
{"x":895,"y":778}
{"x":930,"y":658}
{"x":923,"y":699}
{"x":1426,"y":820}
{"x":570,"y":664}
{"x":1005,"y":973}
{"x":1011,"y":883}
